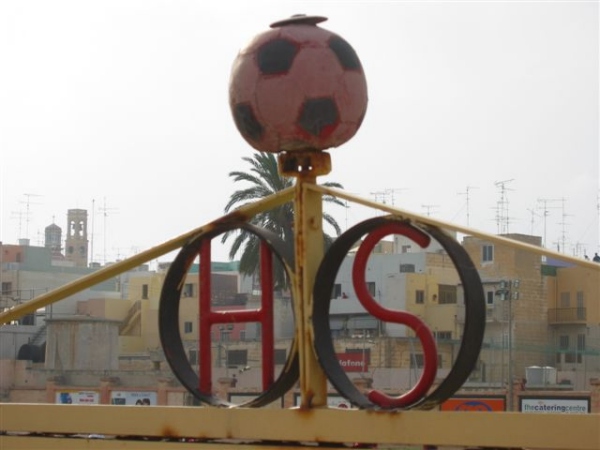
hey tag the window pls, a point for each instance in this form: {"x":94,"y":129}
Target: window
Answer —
{"x":487,"y":253}
{"x":563,"y":342}
{"x":419,"y":296}
{"x":188,"y":290}
{"x":237,"y":358}
{"x":144,"y":291}
{"x":565,"y":299}
{"x":371,"y":288}
{"x":447,"y":294}
{"x":280,"y":356}
{"x":337,"y":291}
{"x":580,"y":347}
{"x":193,"y":357}
{"x":443,"y":335}
{"x":580,"y":306}
{"x":407,"y":268}
{"x":188,"y":327}
{"x":490,"y":297}
{"x":581,"y":342}
{"x":6,"y":288}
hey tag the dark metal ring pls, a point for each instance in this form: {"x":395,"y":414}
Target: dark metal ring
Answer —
{"x":168,"y":318}
{"x":474,"y":314}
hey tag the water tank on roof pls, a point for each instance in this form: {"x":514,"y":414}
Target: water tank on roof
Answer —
{"x":540,"y":376}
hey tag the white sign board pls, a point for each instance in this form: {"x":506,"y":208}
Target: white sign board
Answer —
{"x":554,"y":405}
{"x":73,"y":397}
{"x":140,"y":398}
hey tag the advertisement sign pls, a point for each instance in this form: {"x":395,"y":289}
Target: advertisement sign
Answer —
{"x":74,"y":397}
{"x":139,"y":398}
{"x":354,"y":362}
{"x":554,"y":405}
{"x":475,"y":403}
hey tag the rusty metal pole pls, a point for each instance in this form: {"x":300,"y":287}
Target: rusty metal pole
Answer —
{"x":305,"y":166}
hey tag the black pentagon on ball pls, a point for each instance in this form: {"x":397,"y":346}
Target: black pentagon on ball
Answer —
{"x":246,"y":121}
{"x":276,"y":56}
{"x":345,"y":53}
{"x":318,"y":113}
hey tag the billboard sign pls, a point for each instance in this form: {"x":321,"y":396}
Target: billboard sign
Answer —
{"x":75,"y":397}
{"x":354,"y":362}
{"x":483,"y":403}
{"x":139,"y":398}
{"x":554,"y":405}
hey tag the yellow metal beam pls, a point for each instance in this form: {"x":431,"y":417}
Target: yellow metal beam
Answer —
{"x":81,"y":443}
{"x":309,"y":252}
{"x":455,"y":227}
{"x":462,"y":429}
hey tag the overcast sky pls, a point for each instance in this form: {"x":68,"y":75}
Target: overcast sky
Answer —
{"x":120,"y":107}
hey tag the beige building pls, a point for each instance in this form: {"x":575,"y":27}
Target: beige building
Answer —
{"x":574,"y":321}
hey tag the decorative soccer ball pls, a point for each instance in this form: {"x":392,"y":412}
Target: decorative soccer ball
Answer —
{"x":297,"y":87}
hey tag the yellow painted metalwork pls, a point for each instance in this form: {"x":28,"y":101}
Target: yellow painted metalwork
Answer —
{"x":280,"y":427}
{"x":309,"y":251}
{"x":455,"y":227}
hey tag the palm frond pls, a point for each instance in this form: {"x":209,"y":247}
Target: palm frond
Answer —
{"x":263,"y":179}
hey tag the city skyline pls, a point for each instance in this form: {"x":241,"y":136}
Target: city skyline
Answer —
{"x":547,"y":217}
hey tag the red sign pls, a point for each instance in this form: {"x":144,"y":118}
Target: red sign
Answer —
{"x":354,"y":362}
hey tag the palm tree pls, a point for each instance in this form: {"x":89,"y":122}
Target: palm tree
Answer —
{"x":264,"y":179}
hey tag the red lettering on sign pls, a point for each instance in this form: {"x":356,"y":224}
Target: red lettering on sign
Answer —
{"x":354,"y":362}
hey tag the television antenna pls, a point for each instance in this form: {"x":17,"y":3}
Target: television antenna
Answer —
{"x":386,"y":196}
{"x":545,"y":212}
{"x":105,"y":210}
{"x":429,"y":208}
{"x":563,"y":225}
{"x":467,"y":195}
{"x":26,"y":214}
{"x":533,"y":216}
{"x":502,"y":219}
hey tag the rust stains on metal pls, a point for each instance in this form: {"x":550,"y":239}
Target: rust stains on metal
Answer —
{"x":169,"y":432}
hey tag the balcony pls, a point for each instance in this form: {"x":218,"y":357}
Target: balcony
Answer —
{"x":559,"y":316}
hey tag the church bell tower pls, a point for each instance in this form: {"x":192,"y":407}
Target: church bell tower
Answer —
{"x":76,"y":244}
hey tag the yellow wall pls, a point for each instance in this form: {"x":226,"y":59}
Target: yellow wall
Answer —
{"x":574,"y":279}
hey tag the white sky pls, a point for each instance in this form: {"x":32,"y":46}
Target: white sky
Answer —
{"x":120,"y":107}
